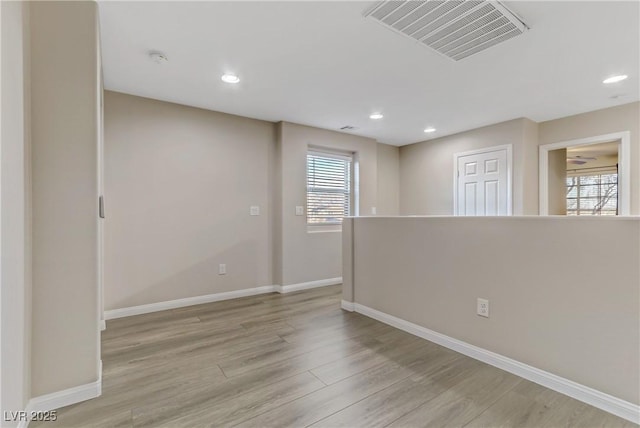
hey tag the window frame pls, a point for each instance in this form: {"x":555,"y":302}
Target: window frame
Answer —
{"x":344,"y":156}
{"x":576,"y":176}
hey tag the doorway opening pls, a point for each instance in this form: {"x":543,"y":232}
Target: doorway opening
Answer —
{"x":586,"y":177}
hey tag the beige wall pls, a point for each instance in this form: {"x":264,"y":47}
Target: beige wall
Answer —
{"x":529,"y":167}
{"x":553,"y":305}
{"x":388,"y":168}
{"x":15,"y":289}
{"x":64,"y":85}
{"x":426,"y":169}
{"x":179,"y":183}
{"x":310,"y":256}
{"x":601,"y":122}
{"x":557,"y":182}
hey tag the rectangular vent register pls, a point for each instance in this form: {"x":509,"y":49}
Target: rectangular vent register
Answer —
{"x":454,"y":28}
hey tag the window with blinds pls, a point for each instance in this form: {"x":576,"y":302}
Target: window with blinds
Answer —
{"x":592,"y":194}
{"x":329,"y":177}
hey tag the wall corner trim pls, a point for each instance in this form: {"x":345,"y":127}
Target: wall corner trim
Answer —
{"x":216,"y":297}
{"x":601,"y":400}
{"x":66,"y":397}
{"x":347,"y":306}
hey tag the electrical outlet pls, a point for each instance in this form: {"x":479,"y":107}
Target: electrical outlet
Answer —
{"x":299,"y":210}
{"x":222,"y":269}
{"x":483,"y":307}
{"x":254,"y":210}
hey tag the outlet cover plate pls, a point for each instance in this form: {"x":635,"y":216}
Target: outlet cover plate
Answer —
{"x":483,"y":307}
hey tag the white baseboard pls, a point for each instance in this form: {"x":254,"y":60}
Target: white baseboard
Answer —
{"x":189,"y":301}
{"x":66,"y":397}
{"x":606,"y":402}
{"x":348,"y":306}
{"x":216,"y":297}
{"x":307,"y":285}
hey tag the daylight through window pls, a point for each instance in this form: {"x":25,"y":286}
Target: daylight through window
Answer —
{"x":592,"y":194}
{"x":329,"y":186}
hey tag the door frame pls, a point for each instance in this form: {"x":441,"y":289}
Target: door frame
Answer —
{"x":624,"y":165}
{"x":509,"y":150}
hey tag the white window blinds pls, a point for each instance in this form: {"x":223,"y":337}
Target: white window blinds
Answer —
{"x":592,"y":194}
{"x":328,"y":187}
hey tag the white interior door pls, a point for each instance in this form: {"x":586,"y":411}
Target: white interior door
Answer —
{"x":482,"y":183}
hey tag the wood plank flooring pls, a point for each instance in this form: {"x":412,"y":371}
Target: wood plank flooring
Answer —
{"x":298,"y":360}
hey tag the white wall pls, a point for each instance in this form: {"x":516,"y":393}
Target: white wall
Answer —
{"x":15,"y":291}
{"x":64,"y":125}
{"x":566,"y":308}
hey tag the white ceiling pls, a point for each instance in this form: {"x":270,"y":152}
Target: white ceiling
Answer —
{"x":323,"y":64}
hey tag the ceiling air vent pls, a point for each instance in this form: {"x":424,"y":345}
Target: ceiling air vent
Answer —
{"x":454,"y":28}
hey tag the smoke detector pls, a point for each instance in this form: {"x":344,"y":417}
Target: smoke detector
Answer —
{"x":158,"y":57}
{"x":456,"y":29}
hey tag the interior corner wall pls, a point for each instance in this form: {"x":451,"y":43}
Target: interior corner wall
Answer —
{"x":530,"y":167}
{"x":557,"y":182}
{"x":426,"y":168}
{"x":179,"y":184}
{"x":15,"y":292}
{"x":601,"y":122}
{"x":388,"y":168}
{"x":309,"y":255}
{"x":276,"y":224}
{"x":64,"y":129}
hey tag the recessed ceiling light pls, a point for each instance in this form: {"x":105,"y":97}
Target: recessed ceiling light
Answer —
{"x":430,"y":129}
{"x":376,"y":116}
{"x":614,"y":79}
{"x":230,"y":78}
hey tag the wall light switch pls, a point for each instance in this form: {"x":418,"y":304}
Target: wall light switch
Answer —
{"x":222,"y":269}
{"x":374,"y":211}
{"x":299,"y":210}
{"x":254,"y":210}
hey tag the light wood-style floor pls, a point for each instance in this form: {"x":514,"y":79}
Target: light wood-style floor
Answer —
{"x":298,"y":360}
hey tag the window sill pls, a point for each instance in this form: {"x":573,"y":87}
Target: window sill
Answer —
{"x":325,"y":228}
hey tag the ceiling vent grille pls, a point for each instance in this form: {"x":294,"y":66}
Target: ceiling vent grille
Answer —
{"x":454,"y":28}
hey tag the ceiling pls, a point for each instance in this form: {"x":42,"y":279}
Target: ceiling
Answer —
{"x":323,"y":64}
{"x":594,"y":150}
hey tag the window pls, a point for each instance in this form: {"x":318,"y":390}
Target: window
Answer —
{"x":329,"y":184}
{"x":594,"y":194}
